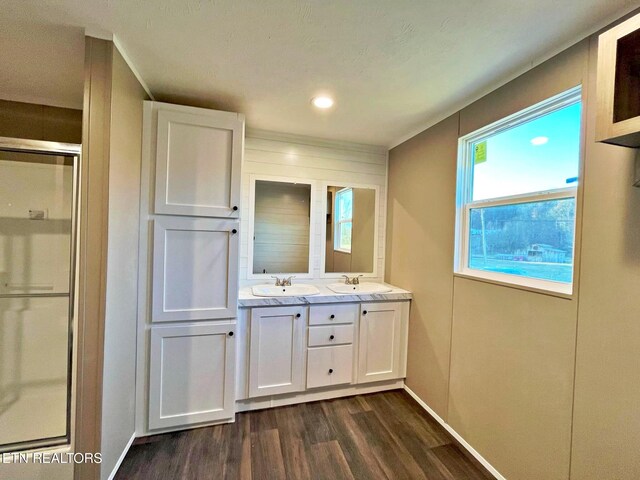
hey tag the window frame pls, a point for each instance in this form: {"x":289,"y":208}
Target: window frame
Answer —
{"x":338,"y":222}
{"x":464,"y":193}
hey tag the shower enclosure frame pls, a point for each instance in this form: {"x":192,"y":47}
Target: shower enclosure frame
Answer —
{"x":74,"y":151}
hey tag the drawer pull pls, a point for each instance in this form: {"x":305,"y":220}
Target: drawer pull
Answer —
{"x":332,"y":316}
{"x":331,"y":337}
{"x":330,"y":371}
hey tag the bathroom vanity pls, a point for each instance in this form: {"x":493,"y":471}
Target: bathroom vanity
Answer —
{"x":212,"y":221}
{"x":303,"y":348}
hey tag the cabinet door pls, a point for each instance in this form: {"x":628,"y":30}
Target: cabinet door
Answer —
{"x":191,"y":375}
{"x":195,"y":269}
{"x":277,"y":350}
{"x":198,"y":159}
{"x":380,"y":348}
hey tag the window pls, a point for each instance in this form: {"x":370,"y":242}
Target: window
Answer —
{"x":516,"y":199}
{"x":344,"y":220}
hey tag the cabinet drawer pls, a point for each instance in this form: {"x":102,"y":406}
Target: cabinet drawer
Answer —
{"x":330,"y":335}
{"x":329,"y":366}
{"x":330,"y":314}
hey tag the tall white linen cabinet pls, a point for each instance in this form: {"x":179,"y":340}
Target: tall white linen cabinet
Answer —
{"x":188,"y":273}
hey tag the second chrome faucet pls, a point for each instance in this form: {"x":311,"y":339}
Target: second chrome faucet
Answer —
{"x":352,"y":280}
{"x":284,"y":281}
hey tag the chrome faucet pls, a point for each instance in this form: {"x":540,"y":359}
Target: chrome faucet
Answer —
{"x":352,"y":281}
{"x":283,"y":282}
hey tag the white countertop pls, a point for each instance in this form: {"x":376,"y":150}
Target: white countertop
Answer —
{"x":247,"y":299}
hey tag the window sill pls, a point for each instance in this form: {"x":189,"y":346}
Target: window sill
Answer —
{"x":526,"y":288}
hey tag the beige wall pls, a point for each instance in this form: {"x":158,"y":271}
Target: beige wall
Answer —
{"x":40,"y":122}
{"x":498,"y":363}
{"x":125,"y":156}
{"x":107,"y":304}
{"x":606,"y":428}
{"x":92,"y":256}
{"x":420,"y":226}
{"x":512,"y":357}
{"x":511,"y":377}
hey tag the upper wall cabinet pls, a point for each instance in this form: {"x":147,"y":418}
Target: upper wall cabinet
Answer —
{"x":618,"y":118}
{"x":198,"y":158}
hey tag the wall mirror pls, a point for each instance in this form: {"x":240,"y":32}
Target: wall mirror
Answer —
{"x":351,"y":230}
{"x":281,"y":236}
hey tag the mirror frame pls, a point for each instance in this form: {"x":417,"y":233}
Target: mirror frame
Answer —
{"x":253,"y":178}
{"x":323,"y":229}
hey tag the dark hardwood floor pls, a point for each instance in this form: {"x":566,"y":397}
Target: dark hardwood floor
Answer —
{"x":377,"y":436}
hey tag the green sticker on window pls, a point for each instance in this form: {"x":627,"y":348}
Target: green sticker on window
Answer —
{"x":480,"y":153}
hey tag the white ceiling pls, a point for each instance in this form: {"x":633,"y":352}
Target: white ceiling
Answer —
{"x":393,"y":66}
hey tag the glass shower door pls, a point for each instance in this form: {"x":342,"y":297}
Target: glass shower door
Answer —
{"x":36,"y":285}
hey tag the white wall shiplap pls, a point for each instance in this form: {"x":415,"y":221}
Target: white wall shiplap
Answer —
{"x":317,"y":161}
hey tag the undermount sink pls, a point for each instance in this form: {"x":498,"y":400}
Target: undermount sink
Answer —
{"x":362,"y":288}
{"x":290,"y":291}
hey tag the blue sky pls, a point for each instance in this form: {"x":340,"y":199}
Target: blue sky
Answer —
{"x":515,"y":166}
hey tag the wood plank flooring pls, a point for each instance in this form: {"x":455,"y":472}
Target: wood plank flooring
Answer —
{"x":377,"y":436}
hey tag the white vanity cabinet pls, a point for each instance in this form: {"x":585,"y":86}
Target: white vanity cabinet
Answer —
{"x":191,"y":374}
{"x":276,"y":350}
{"x":198,"y":155}
{"x":296,"y":353}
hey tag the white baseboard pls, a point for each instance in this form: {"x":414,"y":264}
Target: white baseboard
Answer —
{"x":456,"y":435}
{"x":260,"y":403}
{"x":122,"y":455}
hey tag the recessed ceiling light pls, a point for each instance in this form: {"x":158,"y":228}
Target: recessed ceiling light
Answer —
{"x":322,"y":102}
{"x":537,"y":141}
